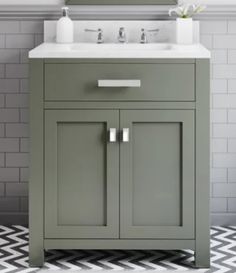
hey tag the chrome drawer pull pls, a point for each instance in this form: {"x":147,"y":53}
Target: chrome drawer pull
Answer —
{"x":112,"y":135}
{"x":125,"y":135}
{"x":119,"y":83}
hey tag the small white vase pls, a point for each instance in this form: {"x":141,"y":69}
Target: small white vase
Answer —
{"x":184,"y":31}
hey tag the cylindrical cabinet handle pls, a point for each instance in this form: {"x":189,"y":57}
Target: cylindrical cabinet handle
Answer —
{"x":112,"y":135}
{"x":119,"y":83}
{"x":125,"y":135}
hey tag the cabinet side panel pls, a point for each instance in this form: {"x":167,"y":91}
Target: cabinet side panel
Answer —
{"x":36,"y":188}
{"x":202,"y":255}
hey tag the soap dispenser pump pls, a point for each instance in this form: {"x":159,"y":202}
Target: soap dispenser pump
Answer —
{"x":65,"y":28}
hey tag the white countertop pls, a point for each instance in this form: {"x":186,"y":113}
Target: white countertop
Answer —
{"x":119,"y":51}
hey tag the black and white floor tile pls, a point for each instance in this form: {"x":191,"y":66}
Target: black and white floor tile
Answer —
{"x":14,"y":256}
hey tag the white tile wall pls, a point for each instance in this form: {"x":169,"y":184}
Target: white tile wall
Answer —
{"x":223,"y":114}
{"x":17,"y":37}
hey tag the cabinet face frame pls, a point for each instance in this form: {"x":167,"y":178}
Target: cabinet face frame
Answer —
{"x":52,"y":228}
{"x":186,"y":230}
{"x":121,"y":2}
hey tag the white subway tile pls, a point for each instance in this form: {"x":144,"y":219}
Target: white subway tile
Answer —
{"x":224,"y":130}
{"x":224,"y":190}
{"x":224,"y":160}
{"x":232,"y":145}
{"x":218,"y":175}
{"x":213,"y":27}
{"x":9,"y":174}
{"x":224,"y":41}
{"x":24,"y":145}
{"x":24,"y":115}
{"x":17,"y":71}
{"x":20,"y":41}
{"x":219,"y":145}
{"x":24,"y":204}
{"x":2,"y":41}
{"x":17,"y":130}
{"x":17,"y":189}
{"x":17,"y":159}
{"x":24,"y":56}
{"x":17,"y":100}
{"x":219,"y":56}
{"x":231,"y":116}
{"x":220,"y":101}
{"x":232,"y":27}
{"x":24,"y":85}
{"x":2,"y":189}
{"x":9,"y":115}
{"x":9,"y":204}
{"x":232,"y":175}
{"x":24,"y":174}
{"x":1,"y":100}
{"x":232,"y":204}
{"x":224,"y":101}
{"x":2,"y":71}
{"x":9,"y":85}
{"x":224,"y":71}
{"x":9,"y":26}
{"x":2,"y":130}
{"x":32,"y":27}
{"x":9,"y":56}
{"x":218,"y":115}
{"x":2,"y":160}
{"x":232,"y":86}
{"x":218,"y":204}
{"x":232,"y":56}
{"x":218,"y":86}
{"x":9,"y":145}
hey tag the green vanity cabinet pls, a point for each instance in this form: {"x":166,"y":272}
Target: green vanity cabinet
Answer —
{"x":119,"y":167}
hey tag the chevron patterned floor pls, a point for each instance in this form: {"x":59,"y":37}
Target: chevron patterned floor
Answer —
{"x":14,"y":256}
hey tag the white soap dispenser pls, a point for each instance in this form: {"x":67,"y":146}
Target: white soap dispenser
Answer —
{"x":65,"y":28}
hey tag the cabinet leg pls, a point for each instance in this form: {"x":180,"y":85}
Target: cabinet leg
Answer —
{"x":202,"y":258}
{"x":36,"y":258}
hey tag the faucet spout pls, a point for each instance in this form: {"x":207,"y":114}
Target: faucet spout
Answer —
{"x":122,"y":35}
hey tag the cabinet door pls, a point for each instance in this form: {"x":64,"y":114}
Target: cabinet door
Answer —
{"x":157,"y":174}
{"x":81,"y":174}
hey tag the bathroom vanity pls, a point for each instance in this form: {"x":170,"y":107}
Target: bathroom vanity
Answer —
{"x":119,"y":148}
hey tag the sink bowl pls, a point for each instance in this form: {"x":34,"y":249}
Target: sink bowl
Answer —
{"x":112,"y":51}
{"x":121,"y":47}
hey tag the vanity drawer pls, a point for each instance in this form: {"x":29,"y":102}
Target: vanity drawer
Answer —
{"x":119,"y":82}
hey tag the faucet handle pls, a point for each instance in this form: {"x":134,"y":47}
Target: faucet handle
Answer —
{"x":93,"y":30}
{"x":100,"y":34}
{"x":153,"y":30}
{"x":144,"y":39}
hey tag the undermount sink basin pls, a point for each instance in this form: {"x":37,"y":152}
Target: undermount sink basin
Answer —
{"x":122,"y":47}
{"x":112,"y":50}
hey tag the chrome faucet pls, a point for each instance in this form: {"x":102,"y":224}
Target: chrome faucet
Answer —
{"x":122,"y":35}
{"x":100,"y":38}
{"x":144,"y":39}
